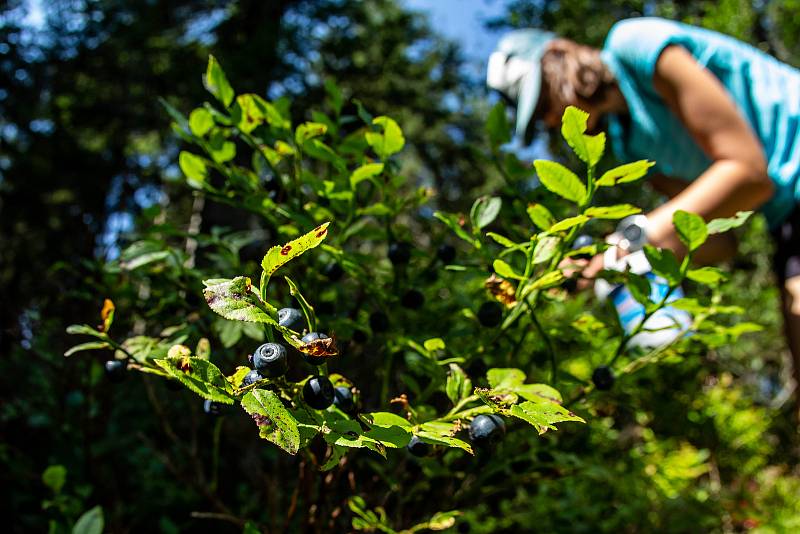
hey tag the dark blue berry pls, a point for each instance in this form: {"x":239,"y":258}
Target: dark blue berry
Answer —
{"x":359,"y":336}
{"x":582,"y":241}
{"x":343,"y":399}
{"x":446,"y":253}
{"x":270,"y":360}
{"x":418,"y":448}
{"x":378,"y":322}
{"x":333,"y":271}
{"x":399,"y":253}
{"x":490,"y":314}
{"x":308,"y":338}
{"x":290,"y":318}
{"x":412,"y":299}
{"x":318,"y":392}
{"x":486,"y":430}
{"x":116,"y":370}
{"x":251,"y":378}
{"x":603,"y":378}
{"x":213,"y":408}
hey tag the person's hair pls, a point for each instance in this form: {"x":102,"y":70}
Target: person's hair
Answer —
{"x":572,"y":72}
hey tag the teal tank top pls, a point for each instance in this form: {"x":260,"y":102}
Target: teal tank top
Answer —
{"x":766,"y":91}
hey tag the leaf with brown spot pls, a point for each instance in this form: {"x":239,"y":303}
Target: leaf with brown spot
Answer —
{"x":234,"y":299}
{"x":279,"y":255}
{"x":502,"y":290}
{"x":320,"y":347}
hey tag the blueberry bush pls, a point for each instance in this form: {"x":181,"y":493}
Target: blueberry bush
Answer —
{"x":354,"y":313}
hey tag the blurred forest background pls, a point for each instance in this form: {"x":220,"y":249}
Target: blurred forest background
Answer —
{"x":86,"y":152}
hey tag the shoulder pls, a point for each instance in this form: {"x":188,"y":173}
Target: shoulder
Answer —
{"x":637,"y":43}
{"x":630,"y":33}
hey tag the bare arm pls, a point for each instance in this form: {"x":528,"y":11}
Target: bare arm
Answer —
{"x":737,"y":179}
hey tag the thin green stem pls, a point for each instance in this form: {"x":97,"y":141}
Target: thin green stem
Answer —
{"x":550,"y":349}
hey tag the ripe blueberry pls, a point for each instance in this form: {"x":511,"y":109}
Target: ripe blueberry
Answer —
{"x":412,"y":299}
{"x":270,"y":360}
{"x":290,"y":318}
{"x":213,"y":408}
{"x":486,"y":430}
{"x":490,"y":314}
{"x":399,"y":253}
{"x":318,"y":392}
{"x":343,"y":399}
{"x":581,"y":241}
{"x":378,"y":322}
{"x":359,"y":336}
{"x":251,"y":378}
{"x":603,"y":378}
{"x":116,"y":370}
{"x":418,"y":448}
{"x":333,"y":271}
{"x":446,"y":253}
{"x":308,"y":338}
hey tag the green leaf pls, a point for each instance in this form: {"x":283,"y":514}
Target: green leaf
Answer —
{"x":89,"y":345}
{"x":484,"y":211}
{"x":543,"y":415}
{"x":589,"y":148}
{"x":497,"y":127}
{"x":541,"y":216}
{"x":275,"y":422}
{"x":235,"y":300}
{"x":664,"y":264}
{"x":550,"y":279}
{"x":278,"y":256}
{"x":717,"y":226}
{"x":220,"y":149}
{"x":560,"y":180}
{"x":629,"y":172}
{"x":545,"y":249}
{"x":91,"y":522}
{"x":308,"y":130}
{"x":709,"y":276}
{"x":568,"y":223}
{"x":384,"y":419}
{"x":691,"y":229}
{"x":538,"y":393}
{"x":390,"y":141}
{"x":505,"y":378}
{"x":200,"y":121}
{"x":216,"y":83}
{"x":639,"y":287}
{"x":441,"y":433}
{"x":200,"y":376}
{"x":434,"y":344}
{"x":308,"y":309}
{"x":348,"y":433}
{"x":365,"y":172}
{"x":54,"y":477}
{"x":248,"y":113}
{"x":505,"y":270}
{"x":620,"y":211}
{"x":458,"y":385}
{"x":501,"y":240}
{"x":194,"y":168}
{"x":452,"y":222}
{"x":86,"y":330}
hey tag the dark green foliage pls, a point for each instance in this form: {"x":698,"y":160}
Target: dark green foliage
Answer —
{"x":446,"y":253}
{"x":379,"y":322}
